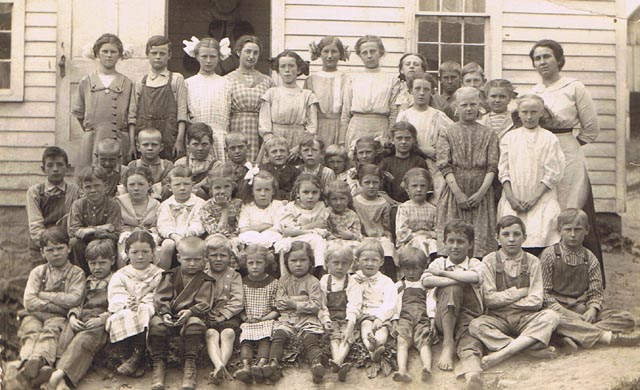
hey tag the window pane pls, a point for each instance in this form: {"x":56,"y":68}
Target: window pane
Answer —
{"x":452,"y":30}
{"x":474,"y":6}
{"x":428,"y":5}
{"x":451,"y":53}
{"x":430,"y":52}
{"x":474,"y":54}
{"x":473,"y":30}
{"x":5,"y":16}
{"x":452,"y":5}
{"x":5,"y":75}
{"x":5,"y":46}
{"x":428,"y":30}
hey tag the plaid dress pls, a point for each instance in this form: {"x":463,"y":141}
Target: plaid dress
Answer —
{"x":259,"y":300}
{"x":208,"y":101}
{"x":246,"y":91}
{"x":126,"y":283}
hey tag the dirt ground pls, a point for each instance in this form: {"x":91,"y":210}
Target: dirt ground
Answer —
{"x":597,"y":369}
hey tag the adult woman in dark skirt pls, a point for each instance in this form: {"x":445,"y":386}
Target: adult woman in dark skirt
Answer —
{"x":571,"y":106}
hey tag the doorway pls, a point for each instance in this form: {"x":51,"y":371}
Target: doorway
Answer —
{"x":217,"y":19}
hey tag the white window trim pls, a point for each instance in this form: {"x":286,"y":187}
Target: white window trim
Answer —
{"x":16,"y":92}
{"x":493,"y":38}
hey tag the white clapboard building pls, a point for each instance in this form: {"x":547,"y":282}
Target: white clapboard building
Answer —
{"x":41,"y":62}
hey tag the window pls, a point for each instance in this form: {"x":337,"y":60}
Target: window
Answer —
{"x":452,"y":30}
{"x":11,"y":50}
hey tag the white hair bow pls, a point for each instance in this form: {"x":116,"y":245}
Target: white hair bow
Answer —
{"x":251,"y":173}
{"x":190,"y":46}
{"x":225,"y":50}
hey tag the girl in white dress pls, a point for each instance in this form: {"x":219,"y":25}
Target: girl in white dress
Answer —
{"x":531,"y":165}
{"x":328,"y":86}
{"x":368,"y":103}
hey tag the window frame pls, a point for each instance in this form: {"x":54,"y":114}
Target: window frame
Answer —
{"x":493,"y":32}
{"x":15,"y":93}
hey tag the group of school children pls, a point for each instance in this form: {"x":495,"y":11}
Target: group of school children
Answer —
{"x":210,"y":209}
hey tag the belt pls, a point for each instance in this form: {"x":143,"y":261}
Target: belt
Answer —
{"x":561,"y":131}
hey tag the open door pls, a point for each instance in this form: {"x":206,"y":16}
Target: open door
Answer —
{"x":217,"y":19}
{"x":80,"y":23}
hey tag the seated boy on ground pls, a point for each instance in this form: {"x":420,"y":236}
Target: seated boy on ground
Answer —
{"x":52,"y":289}
{"x":513,"y":293}
{"x":412,"y":325}
{"x":182,"y":300}
{"x":84,"y":335}
{"x":457,"y":291}
{"x":573,"y":287}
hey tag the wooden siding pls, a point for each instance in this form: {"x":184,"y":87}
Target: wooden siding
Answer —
{"x":27,"y":127}
{"x":588,"y":36}
{"x":305,"y":21}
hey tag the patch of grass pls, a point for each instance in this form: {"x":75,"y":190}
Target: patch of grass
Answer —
{"x":627,"y":384}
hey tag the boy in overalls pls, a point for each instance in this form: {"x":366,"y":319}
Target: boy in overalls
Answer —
{"x":573,"y":287}
{"x":513,"y":293}
{"x":341,"y":306}
{"x":159,"y":101}
{"x":49,"y":202}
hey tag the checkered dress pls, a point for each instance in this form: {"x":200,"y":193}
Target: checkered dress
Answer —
{"x":259,"y":300}
{"x":246,"y":91}
{"x":126,"y":283}
{"x":209,"y":102}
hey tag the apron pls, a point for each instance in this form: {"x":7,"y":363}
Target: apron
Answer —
{"x":337,"y":301}
{"x":52,"y":208}
{"x":158,"y":109}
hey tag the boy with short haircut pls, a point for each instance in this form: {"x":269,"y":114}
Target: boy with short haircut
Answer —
{"x":108,"y":157}
{"x":450,"y":79}
{"x":178,"y":216}
{"x":52,"y":289}
{"x":412,"y":325}
{"x":403,"y":135}
{"x":573,"y":287}
{"x":49,"y":202}
{"x":200,"y":156}
{"x":159,"y":101}
{"x":456,"y":290}
{"x":149,"y":144}
{"x":473,"y":76}
{"x":277,"y":152}
{"x":513,"y":293}
{"x":237,"y":148}
{"x":84,"y":335}
{"x":94,"y":216}
{"x":341,"y":305}
{"x":312,"y":154}
{"x":182,"y":300}
{"x":379,"y":297}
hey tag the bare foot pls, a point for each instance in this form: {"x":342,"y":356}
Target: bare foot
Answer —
{"x":491,"y":360}
{"x":474,"y":381}
{"x":570,"y":345}
{"x":402,"y":378}
{"x":543,"y":353}
{"x":446,"y":359}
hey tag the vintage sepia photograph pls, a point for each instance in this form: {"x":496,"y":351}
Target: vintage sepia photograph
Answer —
{"x":320,"y":194}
